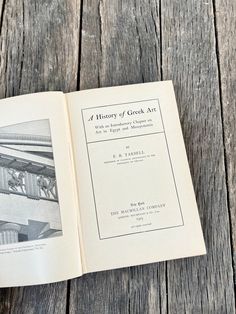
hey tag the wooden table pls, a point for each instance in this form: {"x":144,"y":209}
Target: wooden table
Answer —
{"x":71,"y":44}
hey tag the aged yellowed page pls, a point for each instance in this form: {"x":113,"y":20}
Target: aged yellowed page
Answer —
{"x":137,"y":203}
{"x":39,"y":240}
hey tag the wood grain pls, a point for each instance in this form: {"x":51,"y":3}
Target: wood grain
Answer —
{"x":120,"y":43}
{"x":38,"y":299}
{"x":225,"y":12}
{"x":204,"y":284}
{"x":39,"y":46}
{"x":39,"y":51}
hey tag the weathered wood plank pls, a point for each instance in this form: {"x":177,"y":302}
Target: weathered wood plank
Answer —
{"x":204,"y":284}
{"x":225,"y":30}
{"x":38,"y":299}
{"x":105,"y":292}
{"x":120,"y":45}
{"x":39,"y":46}
{"x":1,"y":8}
{"x":39,"y":51}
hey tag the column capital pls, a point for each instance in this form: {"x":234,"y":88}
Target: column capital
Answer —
{"x":10,"y":226}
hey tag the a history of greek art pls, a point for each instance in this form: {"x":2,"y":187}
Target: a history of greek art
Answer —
{"x":100,"y":176}
{"x":128,"y":150}
{"x":136,"y":198}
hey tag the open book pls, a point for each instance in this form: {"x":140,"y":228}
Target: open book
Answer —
{"x":93,"y":180}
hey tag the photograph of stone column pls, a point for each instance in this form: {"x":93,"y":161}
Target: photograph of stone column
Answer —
{"x":29,"y":206}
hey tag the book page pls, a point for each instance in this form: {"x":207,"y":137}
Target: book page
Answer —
{"x":137,"y":203}
{"x":39,"y":240}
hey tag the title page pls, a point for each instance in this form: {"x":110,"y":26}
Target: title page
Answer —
{"x":128,"y":152}
{"x":137,"y":203}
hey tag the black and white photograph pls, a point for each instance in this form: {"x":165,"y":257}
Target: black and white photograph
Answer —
{"x":29,"y":206}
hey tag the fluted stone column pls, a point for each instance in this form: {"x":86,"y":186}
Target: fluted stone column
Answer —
{"x":9,"y":233}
